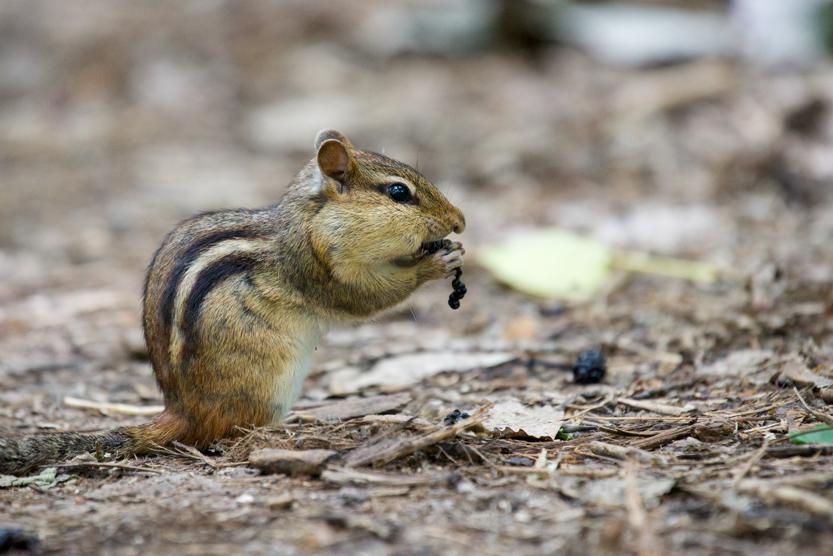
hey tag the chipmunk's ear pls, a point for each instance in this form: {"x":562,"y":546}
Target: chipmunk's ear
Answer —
{"x":325,"y":134}
{"x":333,"y":153}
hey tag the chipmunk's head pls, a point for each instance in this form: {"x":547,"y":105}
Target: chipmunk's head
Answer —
{"x":376,"y":209}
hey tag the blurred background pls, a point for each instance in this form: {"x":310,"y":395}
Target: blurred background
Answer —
{"x":680,"y":128}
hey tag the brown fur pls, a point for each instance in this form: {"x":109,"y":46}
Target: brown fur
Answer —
{"x":235,"y":300}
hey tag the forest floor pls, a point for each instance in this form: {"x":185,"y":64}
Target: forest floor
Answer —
{"x":684,"y":446}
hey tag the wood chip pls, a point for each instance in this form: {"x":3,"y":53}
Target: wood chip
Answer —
{"x":282,"y":501}
{"x":291,"y":462}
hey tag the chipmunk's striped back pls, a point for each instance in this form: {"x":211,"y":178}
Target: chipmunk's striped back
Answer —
{"x":206,"y":241}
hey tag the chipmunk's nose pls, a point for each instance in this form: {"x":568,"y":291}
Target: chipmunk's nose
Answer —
{"x":458,"y":221}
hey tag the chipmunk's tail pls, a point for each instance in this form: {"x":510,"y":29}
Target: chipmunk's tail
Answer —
{"x":23,"y":454}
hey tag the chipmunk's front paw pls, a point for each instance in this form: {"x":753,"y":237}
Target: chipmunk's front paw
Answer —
{"x":444,"y":261}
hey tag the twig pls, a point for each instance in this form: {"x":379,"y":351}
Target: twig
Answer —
{"x":584,"y":410}
{"x":660,"y":390}
{"x":405,"y":447}
{"x":750,"y":463}
{"x":624,"y":453}
{"x":192,"y":453}
{"x":110,"y":408}
{"x":791,"y":496}
{"x":483,"y":458}
{"x":661,"y":408}
{"x":647,"y":542}
{"x":753,"y":411}
{"x":105,"y":464}
{"x":512,"y":470}
{"x":817,"y":414}
{"x":664,"y":437}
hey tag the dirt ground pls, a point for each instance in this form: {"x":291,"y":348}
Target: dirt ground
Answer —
{"x":118,"y":119}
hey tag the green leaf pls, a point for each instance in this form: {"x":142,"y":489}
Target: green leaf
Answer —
{"x":556,"y":264}
{"x":820,"y":434}
{"x":550,"y":263}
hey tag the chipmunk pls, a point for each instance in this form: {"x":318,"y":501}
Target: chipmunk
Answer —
{"x":235,"y":301}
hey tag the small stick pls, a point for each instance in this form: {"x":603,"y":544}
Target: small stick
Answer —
{"x":750,"y":463}
{"x":192,"y":453}
{"x":105,"y":464}
{"x":791,"y":496}
{"x":624,"y":453}
{"x":661,"y":408}
{"x":646,"y":541}
{"x":402,"y":448}
{"x":110,"y":408}
{"x":817,"y":414}
{"x":664,"y":437}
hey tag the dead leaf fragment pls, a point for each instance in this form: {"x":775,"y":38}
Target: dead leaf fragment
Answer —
{"x":738,"y":363}
{"x":798,"y":374}
{"x":611,"y":492}
{"x":513,"y":419}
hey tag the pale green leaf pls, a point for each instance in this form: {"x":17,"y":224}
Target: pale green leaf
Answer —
{"x":550,"y":263}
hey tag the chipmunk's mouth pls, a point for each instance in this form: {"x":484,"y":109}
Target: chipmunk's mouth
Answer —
{"x":426,"y":249}
{"x":431,"y":247}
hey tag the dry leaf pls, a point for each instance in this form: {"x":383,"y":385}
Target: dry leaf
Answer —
{"x":512,"y":418}
{"x":399,"y":372}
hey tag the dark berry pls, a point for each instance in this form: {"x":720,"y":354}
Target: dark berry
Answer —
{"x":455,"y":417}
{"x":459,"y":290}
{"x":589,"y":367}
{"x":520,"y":461}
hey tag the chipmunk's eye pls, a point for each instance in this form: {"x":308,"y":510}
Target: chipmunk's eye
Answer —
{"x":400,"y":193}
